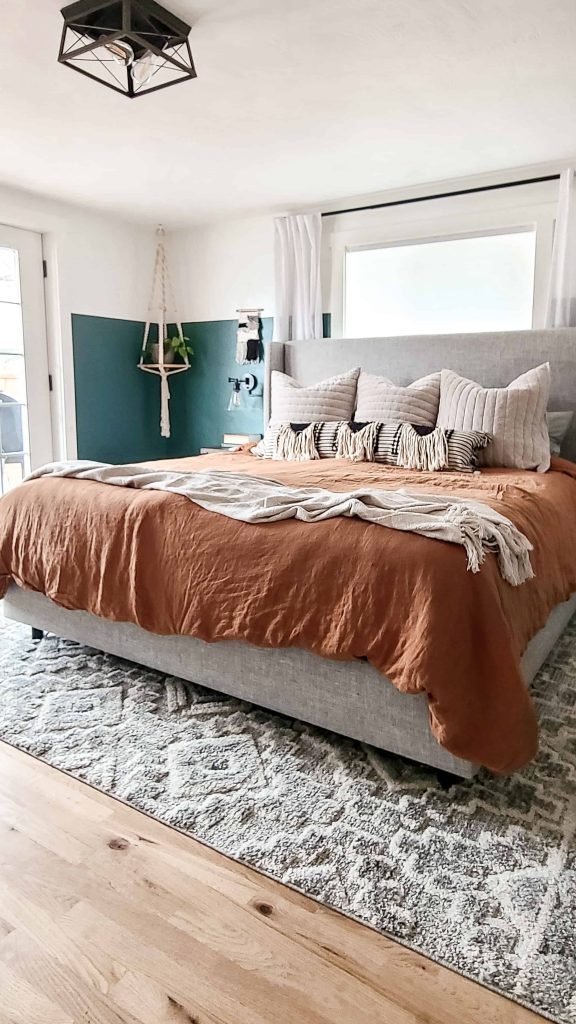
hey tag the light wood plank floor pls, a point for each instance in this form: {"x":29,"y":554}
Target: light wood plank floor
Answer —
{"x":108,"y":917}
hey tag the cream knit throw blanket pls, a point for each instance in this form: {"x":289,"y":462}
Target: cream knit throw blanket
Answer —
{"x":477,"y":527}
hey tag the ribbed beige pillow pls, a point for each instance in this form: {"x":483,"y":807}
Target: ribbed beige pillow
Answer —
{"x":329,"y":400}
{"x":515,"y":416}
{"x":380,"y":399}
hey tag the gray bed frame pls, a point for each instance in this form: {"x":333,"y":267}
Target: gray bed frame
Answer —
{"x":351,"y":698}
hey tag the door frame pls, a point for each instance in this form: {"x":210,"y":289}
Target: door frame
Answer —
{"x":29,"y":247}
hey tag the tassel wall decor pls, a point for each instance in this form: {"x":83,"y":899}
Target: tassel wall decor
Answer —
{"x":248,"y":336}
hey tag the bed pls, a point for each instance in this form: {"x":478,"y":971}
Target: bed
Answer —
{"x":351,"y":695}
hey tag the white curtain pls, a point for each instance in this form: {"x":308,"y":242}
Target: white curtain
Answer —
{"x":297,"y":243}
{"x":561,"y":311}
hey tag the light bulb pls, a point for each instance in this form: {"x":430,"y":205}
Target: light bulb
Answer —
{"x":143,"y":68}
{"x":121,"y":52}
{"x":237,"y":399}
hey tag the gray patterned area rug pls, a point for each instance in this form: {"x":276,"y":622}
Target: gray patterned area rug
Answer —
{"x":480,"y":877}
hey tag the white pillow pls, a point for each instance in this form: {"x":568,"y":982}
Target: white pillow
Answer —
{"x":515,"y":416}
{"x":329,"y":400}
{"x":380,"y":399}
{"x":558,"y":423}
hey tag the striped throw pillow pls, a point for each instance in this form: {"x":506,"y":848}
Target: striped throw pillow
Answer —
{"x":381,"y":442}
{"x":515,"y":417}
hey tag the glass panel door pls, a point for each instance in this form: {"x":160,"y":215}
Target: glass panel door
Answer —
{"x":14,"y":443}
{"x":25,"y":429}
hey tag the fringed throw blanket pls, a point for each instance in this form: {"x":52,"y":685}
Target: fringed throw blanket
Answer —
{"x":477,"y":527}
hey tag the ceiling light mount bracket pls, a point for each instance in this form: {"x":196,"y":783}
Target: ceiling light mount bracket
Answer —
{"x":131,"y":46}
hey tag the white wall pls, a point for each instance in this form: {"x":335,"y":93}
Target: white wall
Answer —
{"x":97,"y":265}
{"x":220,"y":267}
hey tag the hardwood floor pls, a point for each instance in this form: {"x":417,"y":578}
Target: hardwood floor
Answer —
{"x":108,"y":917}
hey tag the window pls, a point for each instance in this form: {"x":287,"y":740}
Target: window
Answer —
{"x":478,"y":283}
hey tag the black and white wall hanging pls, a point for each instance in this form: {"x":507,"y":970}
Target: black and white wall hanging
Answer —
{"x":164,"y":351}
{"x":249,"y":336}
{"x":131,"y":46}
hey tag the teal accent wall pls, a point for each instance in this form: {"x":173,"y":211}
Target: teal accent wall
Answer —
{"x":118,"y":406}
{"x":200,"y":397}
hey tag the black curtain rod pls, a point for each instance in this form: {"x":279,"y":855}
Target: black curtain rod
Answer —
{"x":443,"y":195}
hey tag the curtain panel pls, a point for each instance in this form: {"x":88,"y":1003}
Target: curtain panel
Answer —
{"x":561,"y":309}
{"x":297,"y":253}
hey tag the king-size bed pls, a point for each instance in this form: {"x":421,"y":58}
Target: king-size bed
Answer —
{"x":313,"y":619}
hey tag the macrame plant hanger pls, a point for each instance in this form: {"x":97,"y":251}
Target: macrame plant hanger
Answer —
{"x":157,"y":313}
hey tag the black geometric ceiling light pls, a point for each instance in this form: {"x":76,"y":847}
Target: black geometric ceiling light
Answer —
{"x":132,"y":46}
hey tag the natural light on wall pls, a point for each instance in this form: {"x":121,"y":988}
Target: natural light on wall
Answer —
{"x":478,"y":283}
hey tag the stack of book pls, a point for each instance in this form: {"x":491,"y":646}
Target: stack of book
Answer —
{"x":237,"y":440}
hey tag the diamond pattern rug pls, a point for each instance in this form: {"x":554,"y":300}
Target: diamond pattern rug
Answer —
{"x":480,"y":877}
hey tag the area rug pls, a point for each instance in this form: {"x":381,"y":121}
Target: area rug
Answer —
{"x":480,"y":876}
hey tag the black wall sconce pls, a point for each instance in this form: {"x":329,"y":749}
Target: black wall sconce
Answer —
{"x":131,"y":46}
{"x":240,"y":385}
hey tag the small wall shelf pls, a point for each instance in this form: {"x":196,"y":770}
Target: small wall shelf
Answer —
{"x":167,"y":367}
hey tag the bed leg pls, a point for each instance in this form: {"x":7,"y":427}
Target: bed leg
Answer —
{"x":37,"y":634}
{"x":447,"y":779}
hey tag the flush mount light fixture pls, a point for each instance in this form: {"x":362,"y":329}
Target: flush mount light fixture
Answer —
{"x":132,"y":46}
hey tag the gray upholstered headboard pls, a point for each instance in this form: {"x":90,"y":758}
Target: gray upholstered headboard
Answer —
{"x":491,"y":359}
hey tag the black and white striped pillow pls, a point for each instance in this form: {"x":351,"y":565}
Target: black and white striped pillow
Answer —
{"x":325,"y":439}
{"x":463,"y":445}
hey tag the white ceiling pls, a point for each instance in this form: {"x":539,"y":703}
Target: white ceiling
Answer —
{"x":296,"y":102}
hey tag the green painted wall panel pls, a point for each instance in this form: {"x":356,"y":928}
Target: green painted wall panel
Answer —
{"x":118,"y":406}
{"x":199,"y":409}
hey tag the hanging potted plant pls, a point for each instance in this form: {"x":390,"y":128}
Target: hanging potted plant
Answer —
{"x":177,"y":345}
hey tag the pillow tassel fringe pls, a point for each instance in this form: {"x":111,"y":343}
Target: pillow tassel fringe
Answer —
{"x":428,"y":451}
{"x":358,"y":445}
{"x":296,"y":446}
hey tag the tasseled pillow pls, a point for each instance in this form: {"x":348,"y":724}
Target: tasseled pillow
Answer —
{"x":394,"y":444}
{"x":295,"y":445}
{"x":422,"y":451}
{"x":357,"y":441}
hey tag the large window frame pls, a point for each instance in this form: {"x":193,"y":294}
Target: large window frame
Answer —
{"x":454,"y":237}
{"x":530,"y":208}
